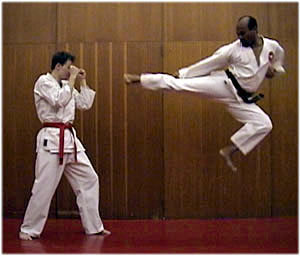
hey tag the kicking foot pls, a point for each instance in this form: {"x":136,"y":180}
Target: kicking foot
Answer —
{"x":24,"y":236}
{"x":129,"y":78}
{"x":227,"y":156}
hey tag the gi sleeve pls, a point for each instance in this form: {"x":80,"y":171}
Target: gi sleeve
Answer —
{"x":53,"y":94}
{"x":279,"y":60}
{"x":84,"y":100}
{"x":219,"y":60}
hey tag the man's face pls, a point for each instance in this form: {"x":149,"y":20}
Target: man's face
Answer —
{"x":246,"y":36}
{"x":64,"y":70}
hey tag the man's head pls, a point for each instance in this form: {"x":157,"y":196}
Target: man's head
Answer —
{"x":60,"y":65}
{"x":246,"y":30}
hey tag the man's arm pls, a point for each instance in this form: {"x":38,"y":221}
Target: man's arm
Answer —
{"x":219,"y":60}
{"x":54,"y":95}
{"x":84,"y":100}
{"x":279,"y":60}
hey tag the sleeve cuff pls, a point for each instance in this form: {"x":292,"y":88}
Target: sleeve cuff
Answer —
{"x":182,"y":73}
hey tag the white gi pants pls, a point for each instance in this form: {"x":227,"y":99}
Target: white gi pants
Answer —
{"x":218,"y":87}
{"x":84,"y":182}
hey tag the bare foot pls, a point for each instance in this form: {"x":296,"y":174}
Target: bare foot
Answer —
{"x":104,"y":232}
{"x":24,"y":236}
{"x":227,"y":154}
{"x":131,"y":78}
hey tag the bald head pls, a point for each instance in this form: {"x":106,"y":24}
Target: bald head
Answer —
{"x":246,"y":30}
{"x":249,"y":21}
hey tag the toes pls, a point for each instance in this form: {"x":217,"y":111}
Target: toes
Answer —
{"x":24,"y":236}
{"x":228,"y":160}
{"x":126,"y":78}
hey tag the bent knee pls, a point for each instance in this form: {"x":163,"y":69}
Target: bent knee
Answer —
{"x":267,"y":125}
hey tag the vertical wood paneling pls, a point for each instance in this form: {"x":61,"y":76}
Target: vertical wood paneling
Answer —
{"x":120,"y":177}
{"x":197,"y":21}
{"x":104,"y":124}
{"x":287,"y":30}
{"x":189,"y":189}
{"x":284,"y":96}
{"x":29,"y":23}
{"x":10,"y":196}
{"x":145,"y":136}
{"x":109,"y":22}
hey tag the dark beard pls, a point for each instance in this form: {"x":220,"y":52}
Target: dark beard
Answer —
{"x":245,"y":43}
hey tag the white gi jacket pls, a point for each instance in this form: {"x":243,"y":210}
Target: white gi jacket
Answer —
{"x":57,"y":104}
{"x":241,"y":62}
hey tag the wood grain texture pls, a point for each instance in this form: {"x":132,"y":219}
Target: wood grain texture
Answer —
{"x":284,"y":96}
{"x":29,"y":23}
{"x":81,"y":22}
{"x":145,"y":135}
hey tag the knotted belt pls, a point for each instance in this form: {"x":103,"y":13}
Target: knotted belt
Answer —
{"x":62,"y":127}
{"x":246,"y":96}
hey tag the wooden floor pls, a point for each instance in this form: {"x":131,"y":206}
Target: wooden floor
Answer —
{"x":273,"y":235}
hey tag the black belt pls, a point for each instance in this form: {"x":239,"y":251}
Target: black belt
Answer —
{"x":246,"y":96}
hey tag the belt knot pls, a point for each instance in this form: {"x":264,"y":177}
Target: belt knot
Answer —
{"x":62,"y":127}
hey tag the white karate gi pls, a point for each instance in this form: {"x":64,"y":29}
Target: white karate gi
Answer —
{"x":205,"y":78}
{"x":57,"y":104}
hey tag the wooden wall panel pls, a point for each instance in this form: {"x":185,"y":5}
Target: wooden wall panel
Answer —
{"x":91,"y":22}
{"x":197,"y":21}
{"x":283,"y":21}
{"x":29,"y":22}
{"x":10,"y":196}
{"x":104,"y":127}
{"x":284,"y":96}
{"x":119,"y":133}
{"x":145,"y":135}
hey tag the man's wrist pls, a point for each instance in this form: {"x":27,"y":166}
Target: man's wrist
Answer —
{"x":72,"y":80}
{"x":83,"y":82}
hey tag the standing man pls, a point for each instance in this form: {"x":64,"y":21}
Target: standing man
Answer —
{"x":59,"y":150}
{"x":248,"y":60}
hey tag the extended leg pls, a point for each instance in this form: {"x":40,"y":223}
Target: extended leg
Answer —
{"x":85,"y":184}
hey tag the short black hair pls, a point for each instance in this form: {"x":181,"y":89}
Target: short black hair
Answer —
{"x":61,"y":58}
{"x":252,"y":23}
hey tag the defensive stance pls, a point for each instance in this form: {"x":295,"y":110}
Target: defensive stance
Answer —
{"x":59,"y":150}
{"x":248,"y":60}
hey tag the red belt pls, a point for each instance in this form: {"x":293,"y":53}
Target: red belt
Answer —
{"x":62,"y":128}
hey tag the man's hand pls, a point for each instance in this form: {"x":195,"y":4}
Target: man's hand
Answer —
{"x":73,"y":74}
{"x":82,"y":76}
{"x":270,"y":73}
{"x":74,"y":71}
